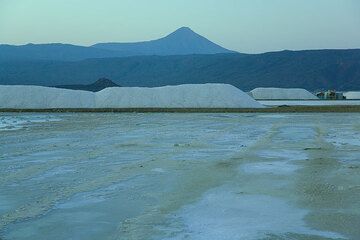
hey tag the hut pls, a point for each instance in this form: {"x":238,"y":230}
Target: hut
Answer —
{"x":331,"y":95}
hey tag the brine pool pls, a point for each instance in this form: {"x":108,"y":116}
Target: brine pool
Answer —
{"x":179,"y":176}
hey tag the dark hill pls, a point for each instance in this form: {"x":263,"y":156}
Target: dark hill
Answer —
{"x":97,"y":86}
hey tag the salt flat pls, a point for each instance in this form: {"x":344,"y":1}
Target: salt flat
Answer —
{"x":310,"y":102}
{"x":179,"y":176}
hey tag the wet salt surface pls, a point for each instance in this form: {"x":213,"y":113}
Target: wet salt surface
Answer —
{"x":348,"y":137}
{"x":15,"y":122}
{"x":222,"y":214}
{"x":180,"y":176}
{"x":291,"y":155}
{"x":280,"y":162}
{"x":270,"y":167}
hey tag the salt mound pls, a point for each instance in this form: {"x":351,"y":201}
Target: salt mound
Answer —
{"x":183,"y":96}
{"x":282,"y":94}
{"x":36,"y":97}
{"x":352,"y":95}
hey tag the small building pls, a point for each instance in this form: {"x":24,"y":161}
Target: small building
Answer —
{"x":331,"y":95}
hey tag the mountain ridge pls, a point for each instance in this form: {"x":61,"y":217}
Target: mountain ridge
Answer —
{"x":310,"y":69}
{"x":181,"y":42}
{"x":53,"y":51}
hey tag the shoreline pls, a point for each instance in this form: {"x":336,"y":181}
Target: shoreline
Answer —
{"x":280,"y":109}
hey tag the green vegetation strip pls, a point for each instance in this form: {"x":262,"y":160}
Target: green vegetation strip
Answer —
{"x":281,"y":109}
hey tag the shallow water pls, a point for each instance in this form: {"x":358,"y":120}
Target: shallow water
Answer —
{"x":179,"y":176}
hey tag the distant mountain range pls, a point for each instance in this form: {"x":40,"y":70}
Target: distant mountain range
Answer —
{"x":53,"y":52}
{"x":312,"y":70}
{"x":183,"y":41}
{"x":181,"y":57}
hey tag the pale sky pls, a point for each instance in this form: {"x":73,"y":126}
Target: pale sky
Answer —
{"x":249,"y":26}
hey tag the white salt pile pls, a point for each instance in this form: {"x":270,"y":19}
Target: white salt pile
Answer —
{"x":36,"y":97}
{"x":282,"y":94}
{"x":352,"y":95}
{"x":183,"y":96}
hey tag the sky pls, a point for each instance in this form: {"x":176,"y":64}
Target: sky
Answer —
{"x":248,"y":26}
